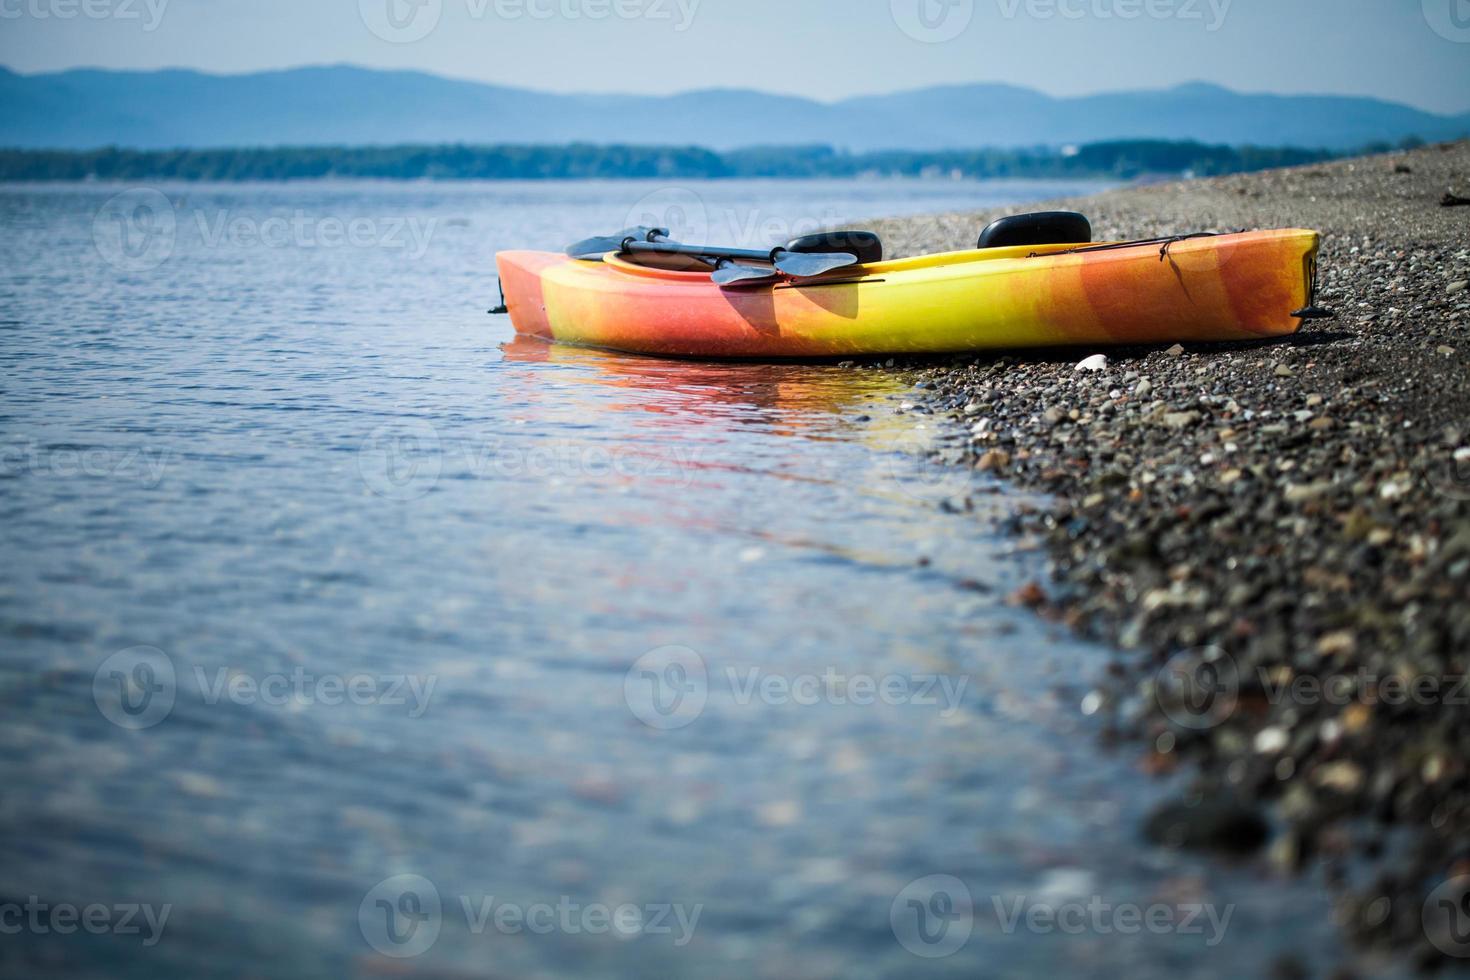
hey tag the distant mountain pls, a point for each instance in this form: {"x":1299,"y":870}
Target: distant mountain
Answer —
{"x":357,"y":106}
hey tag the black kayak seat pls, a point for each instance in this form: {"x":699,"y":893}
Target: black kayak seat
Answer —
{"x":1037,"y":228}
{"x":867,"y":246}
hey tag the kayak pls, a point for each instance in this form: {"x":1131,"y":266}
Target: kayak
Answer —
{"x":1243,"y":286}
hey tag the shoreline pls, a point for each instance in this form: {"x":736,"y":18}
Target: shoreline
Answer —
{"x":1275,"y":535}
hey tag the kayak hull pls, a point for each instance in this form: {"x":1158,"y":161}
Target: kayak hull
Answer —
{"x":1220,"y":288}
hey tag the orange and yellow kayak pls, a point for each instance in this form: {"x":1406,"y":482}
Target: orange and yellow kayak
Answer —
{"x":1225,"y":287}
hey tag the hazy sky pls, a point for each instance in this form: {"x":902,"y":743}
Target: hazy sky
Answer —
{"x":1414,"y":51}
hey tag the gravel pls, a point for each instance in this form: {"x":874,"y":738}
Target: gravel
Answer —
{"x":1276,"y":536}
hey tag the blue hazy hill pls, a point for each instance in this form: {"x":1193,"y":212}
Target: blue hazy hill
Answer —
{"x":346,"y":105}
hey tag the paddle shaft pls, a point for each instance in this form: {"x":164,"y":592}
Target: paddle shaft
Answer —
{"x":702,"y":251}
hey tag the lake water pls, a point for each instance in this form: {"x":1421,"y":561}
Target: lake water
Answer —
{"x":360,"y":638}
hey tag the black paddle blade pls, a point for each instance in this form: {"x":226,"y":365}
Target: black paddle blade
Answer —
{"x":804,"y":264}
{"x":730,"y":274}
{"x":596,"y":248}
{"x":867,"y":246}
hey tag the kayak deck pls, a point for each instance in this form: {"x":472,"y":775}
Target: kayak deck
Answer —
{"x":1216,"y":288}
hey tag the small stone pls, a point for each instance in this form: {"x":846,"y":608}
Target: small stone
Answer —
{"x":1176,"y":351}
{"x":1337,"y":644}
{"x":1345,"y":777}
{"x":781,"y":813}
{"x":1097,"y":362}
{"x":1208,"y":823}
{"x":994,"y":459}
{"x":1298,"y":493}
{"x":1029,"y":595}
{"x":1053,"y":415}
{"x":1282,"y":371}
{"x":1143,"y":389}
{"x":1181,"y":420}
{"x":1445,"y":349}
{"x":603,"y":792}
{"x":1458,"y":287}
{"x":1271,"y":740}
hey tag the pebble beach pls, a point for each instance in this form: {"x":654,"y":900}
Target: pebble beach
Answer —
{"x":1275,"y":537}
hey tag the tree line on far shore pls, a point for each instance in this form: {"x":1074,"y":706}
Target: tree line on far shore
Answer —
{"x":1119,"y":159}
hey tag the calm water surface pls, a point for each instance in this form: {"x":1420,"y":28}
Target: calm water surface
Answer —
{"x":369,"y":640}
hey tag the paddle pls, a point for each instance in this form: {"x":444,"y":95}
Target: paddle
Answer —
{"x":797,"y":264}
{"x":728,"y":272}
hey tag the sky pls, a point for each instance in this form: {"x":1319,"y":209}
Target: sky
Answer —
{"x":1411,"y":51}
